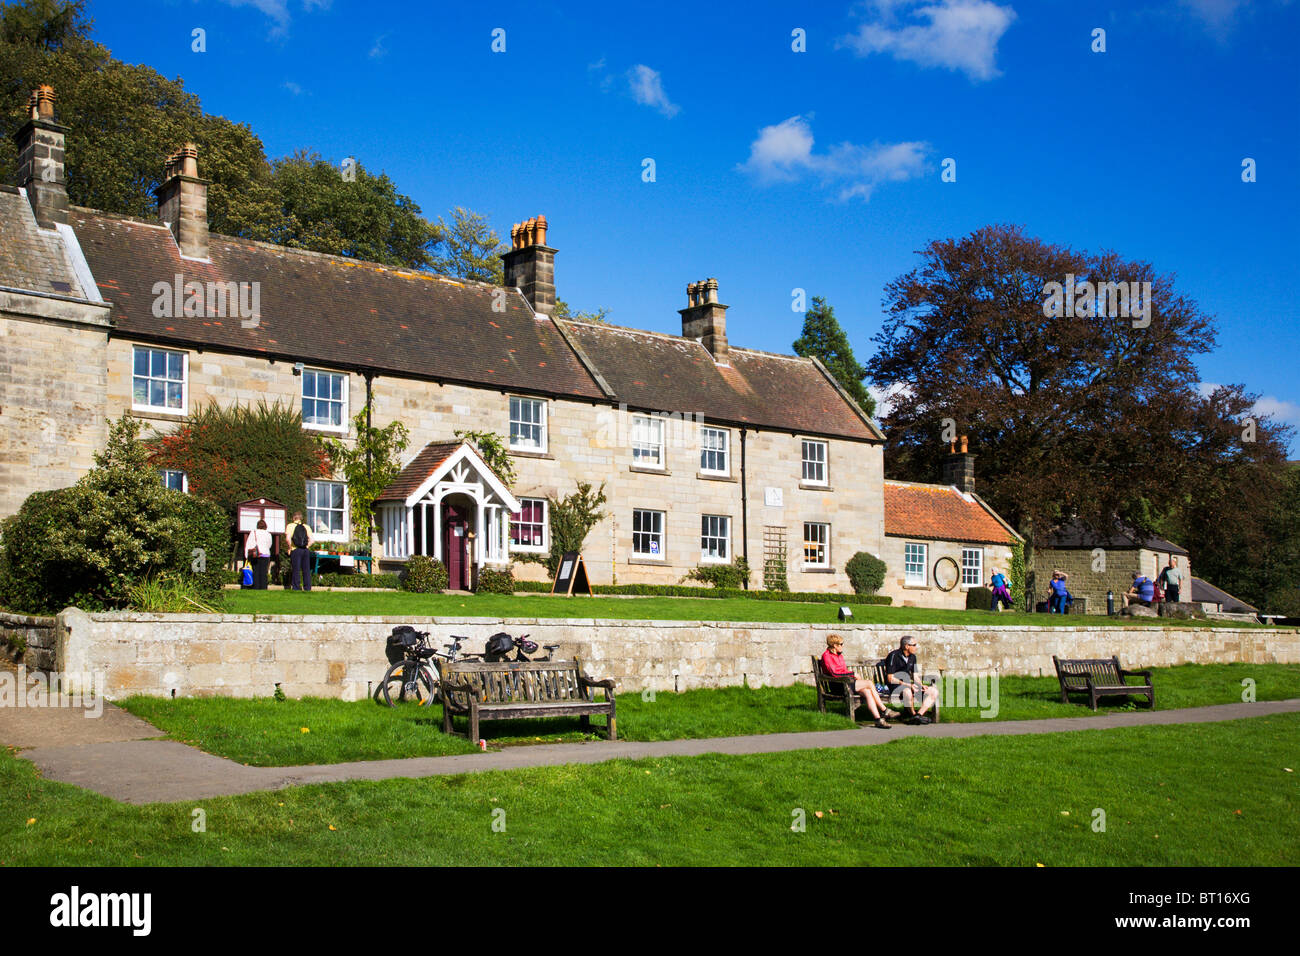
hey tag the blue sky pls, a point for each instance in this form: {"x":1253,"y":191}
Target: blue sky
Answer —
{"x":777,"y":169}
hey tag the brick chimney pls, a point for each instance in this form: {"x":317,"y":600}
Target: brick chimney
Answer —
{"x":183,"y":202}
{"x":40,"y":159}
{"x":959,"y":468}
{"x":530,"y":264}
{"x":705,"y":319}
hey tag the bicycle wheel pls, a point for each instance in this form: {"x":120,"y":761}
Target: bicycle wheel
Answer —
{"x":409,"y":682}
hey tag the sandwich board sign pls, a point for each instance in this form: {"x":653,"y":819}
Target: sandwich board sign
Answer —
{"x":571,"y":576}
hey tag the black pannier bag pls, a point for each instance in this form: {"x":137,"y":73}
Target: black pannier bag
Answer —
{"x":498,"y":646}
{"x":403,"y":637}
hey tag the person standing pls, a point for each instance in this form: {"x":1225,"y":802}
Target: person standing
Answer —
{"x":258,"y":551}
{"x":299,"y":537}
{"x":1172,"y":576}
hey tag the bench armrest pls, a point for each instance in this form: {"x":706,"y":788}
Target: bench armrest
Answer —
{"x":1142,"y":673}
{"x":464,"y":688}
{"x":607,"y":684}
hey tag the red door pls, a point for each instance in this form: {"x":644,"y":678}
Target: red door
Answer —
{"x":455,"y":546}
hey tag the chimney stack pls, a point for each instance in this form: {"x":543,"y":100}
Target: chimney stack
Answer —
{"x":183,"y":202}
{"x":530,"y":264}
{"x":40,"y":159}
{"x":959,"y":467}
{"x":705,"y":318}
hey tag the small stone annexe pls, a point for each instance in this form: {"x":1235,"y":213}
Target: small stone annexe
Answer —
{"x":707,"y":451}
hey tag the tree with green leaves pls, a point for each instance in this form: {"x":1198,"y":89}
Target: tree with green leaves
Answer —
{"x":823,"y":338}
{"x":470,"y":248}
{"x":571,"y":520}
{"x":564,"y":311}
{"x":369,"y":465}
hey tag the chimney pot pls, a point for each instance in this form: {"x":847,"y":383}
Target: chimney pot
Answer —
{"x":40,"y":143}
{"x":530,"y":266}
{"x":541,"y":230}
{"x":45,"y":101}
{"x":183,"y":202}
{"x":705,"y":319}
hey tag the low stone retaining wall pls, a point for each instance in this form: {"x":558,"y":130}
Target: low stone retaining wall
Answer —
{"x":29,"y":640}
{"x":247,"y":655}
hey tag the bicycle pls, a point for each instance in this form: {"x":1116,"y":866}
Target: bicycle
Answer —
{"x":409,"y":677}
{"x":496,"y":650}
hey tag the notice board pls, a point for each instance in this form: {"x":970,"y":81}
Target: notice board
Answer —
{"x":571,"y":575}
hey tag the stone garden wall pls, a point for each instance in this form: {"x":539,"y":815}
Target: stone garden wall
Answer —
{"x":243,"y":655}
{"x":28,"y":640}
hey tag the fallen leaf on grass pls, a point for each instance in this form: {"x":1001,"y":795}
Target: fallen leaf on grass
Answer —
{"x":333,"y":827}
{"x":1065,"y":813}
{"x":306,"y":730}
{"x":818,"y":814}
{"x":31,"y":821}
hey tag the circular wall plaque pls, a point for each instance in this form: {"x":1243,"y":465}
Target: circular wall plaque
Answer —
{"x":946,"y":574}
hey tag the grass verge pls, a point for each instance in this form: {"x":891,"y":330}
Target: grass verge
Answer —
{"x":1192,"y":795}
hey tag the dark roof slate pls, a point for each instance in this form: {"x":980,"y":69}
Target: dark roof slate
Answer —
{"x":668,"y":373}
{"x":1204,"y":592}
{"x":1073,"y":535}
{"x":31,"y":258}
{"x":334,"y":311}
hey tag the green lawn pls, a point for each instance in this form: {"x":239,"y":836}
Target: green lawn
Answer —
{"x":266,"y":732}
{"x":404,"y":604}
{"x":1194,"y":795}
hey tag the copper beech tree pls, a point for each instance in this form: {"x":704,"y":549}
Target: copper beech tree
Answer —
{"x":1073,"y":407}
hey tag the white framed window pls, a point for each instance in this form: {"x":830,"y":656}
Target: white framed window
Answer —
{"x":914,"y":563}
{"x":714,"y":448}
{"x":527,"y":424}
{"x":327,"y":511}
{"x":159,"y":380}
{"x":715,"y":538}
{"x":647,"y":441}
{"x":816,"y":544}
{"x":972,"y":567}
{"x":814,"y":462}
{"x":528,"y":526}
{"x":324,"y":399}
{"x":175,"y":480}
{"x":648,"y":533}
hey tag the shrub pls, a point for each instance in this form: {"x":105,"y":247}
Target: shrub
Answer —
{"x":866,"y":573}
{"x":491,"y":581}
{"x":732,"y":576}
{"x":336,"y":580}
{"x":571,"y":518}
{"x":114,"y":530}
{"x":424,"y":575}
{"x":1017,"y":575}
{"x":169,"y":594}
{"x":979,"y":599}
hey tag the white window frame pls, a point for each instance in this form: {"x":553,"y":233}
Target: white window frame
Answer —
{"x":977,"y":567}
{"x":910,"y":579}
{"x":651,"y":535}
{"x":706,"y":449}
{"x":345,"y":534}
{"x":518,"y":401}
{"x":823,"y":462}
{"x":647,"y":436}
{"x":185,"y":479}
{"x":823,"y":540}
{"x":710,"y":526}
{"x":149,"y":377}
{"x":545,"y":546}
{"x":344,"y":411}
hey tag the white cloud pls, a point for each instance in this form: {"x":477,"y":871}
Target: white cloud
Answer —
{"x":1277,"y":408}
{"x":278,"y":10}
{"x":885,"y":397}
{"x":1218,"y":16}
{"x":784,"y":153}
{"x":379,"y":51}
{"x":955,"y":34}
{"x":293,"y":87}
{"x":647,"y":88}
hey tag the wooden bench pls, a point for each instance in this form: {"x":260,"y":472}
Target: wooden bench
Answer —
{"x":835,"y":687}
{"x":1101,"y":678}
{"x":513,"y":690}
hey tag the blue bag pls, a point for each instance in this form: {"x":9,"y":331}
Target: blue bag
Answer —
{"x":246,"y":577}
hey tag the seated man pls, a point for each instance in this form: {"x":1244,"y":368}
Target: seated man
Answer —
{"x":900,"y":672}
{"x":1001,"y":591}
{"x":1142,"y":592}
{"x":833,"y":661}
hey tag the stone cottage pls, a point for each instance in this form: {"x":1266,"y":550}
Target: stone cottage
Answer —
{"x":1096,"y":564}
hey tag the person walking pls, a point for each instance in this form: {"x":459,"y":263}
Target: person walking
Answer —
{"x":300,"y":538}
{"x":1001,"y":591}
{"x":1172,"y":576}
{"x":258,"y":551}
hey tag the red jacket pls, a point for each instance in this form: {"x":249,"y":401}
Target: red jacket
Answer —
{"x":834,"y":663}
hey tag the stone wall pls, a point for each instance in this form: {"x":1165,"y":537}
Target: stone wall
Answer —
{"x":36,"y":637}
{"x":592,"y":442}
{"x":246,"y":656}
{"x":52,"y":388}
{"x":997,"y":557}
{"x":1117,"y":576}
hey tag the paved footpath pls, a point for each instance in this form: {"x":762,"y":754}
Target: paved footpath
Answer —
{"x":116,"y":760}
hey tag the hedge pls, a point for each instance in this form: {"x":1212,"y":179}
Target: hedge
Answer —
{"x":682,"y":590}
{"x":492,"y":581}
{"x":336,"y":580}
{"x":424,"y":575}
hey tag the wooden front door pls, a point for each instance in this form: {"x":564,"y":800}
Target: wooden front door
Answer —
{"x":455,"y":546}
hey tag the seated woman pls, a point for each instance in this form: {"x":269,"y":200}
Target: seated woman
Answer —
{"x":833,"y":661}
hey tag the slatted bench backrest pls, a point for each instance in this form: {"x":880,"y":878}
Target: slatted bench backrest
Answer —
{"x":1104,"y":673}
{"x":537,"y":681}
